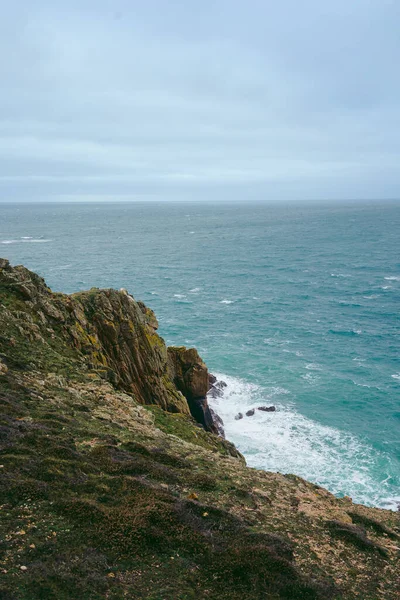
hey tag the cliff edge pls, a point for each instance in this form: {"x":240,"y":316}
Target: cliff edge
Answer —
{"x":114,"y":483}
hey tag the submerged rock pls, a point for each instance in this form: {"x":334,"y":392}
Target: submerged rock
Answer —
{"x":250,"y":412}
{"x":239,"y":416}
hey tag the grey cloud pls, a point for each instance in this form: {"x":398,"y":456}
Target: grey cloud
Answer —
{"x":218,"y":100}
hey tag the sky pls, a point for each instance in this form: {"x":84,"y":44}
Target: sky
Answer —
{"x":199,"y":100}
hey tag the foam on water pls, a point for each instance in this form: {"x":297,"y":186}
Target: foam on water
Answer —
{"x":26,"y":240}
{"x":393,"y":278}
{"x":286,"y":441}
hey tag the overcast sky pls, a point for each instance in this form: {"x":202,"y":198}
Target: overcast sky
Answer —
{"x":215,"y":100}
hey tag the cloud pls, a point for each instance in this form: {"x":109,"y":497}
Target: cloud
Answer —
{"x":220,"y":99}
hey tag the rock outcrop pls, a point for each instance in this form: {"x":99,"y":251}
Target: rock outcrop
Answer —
{"x":115,"y":336}
{"x":190,"y":375}
{"x":110,"y":489}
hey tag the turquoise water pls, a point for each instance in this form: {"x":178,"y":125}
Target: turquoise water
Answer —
{"x":295,"y":306}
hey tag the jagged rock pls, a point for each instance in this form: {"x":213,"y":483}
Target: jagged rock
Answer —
{"x":215,"y":392}
{"x":221,"y":384}
{"x":216,"y":387}
{"x":218,"y":422}
{"x":108,"y":329}
{"x":250,"y":412}
{"x":211,"y":380}
{"x":190,"y":375}
{"x":267,"y":408}
{"x":239,"y":416}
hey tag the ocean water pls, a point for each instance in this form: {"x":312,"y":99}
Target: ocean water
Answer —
{"x":295,"y":306}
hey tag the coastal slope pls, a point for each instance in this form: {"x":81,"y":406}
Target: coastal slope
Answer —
{"x":115,"y":484}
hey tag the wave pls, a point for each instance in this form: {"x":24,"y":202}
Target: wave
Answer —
{"x":179,"y":295}
{"x":340,"y":275}
{"x":60,"y":268}
{"x":195,"y":290}
{"x":26,"y":240}
{"x":393,"y":278}
{"x":286,"y":441}
{"x":396,"y":376}
{"x":346,"y":332}
{"x":313,"y":367}
{"x":227,"y":301}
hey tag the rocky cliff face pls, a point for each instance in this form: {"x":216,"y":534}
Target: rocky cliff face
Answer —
{"x":114,"y":336}
{"x":110,"y":489}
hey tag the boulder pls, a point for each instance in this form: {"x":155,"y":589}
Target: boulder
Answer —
{"x":239,"y":416}
{"x":267,"y":408}
{"x":250,"y":412}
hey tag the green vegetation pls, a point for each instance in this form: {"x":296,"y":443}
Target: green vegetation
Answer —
{"x":104,"y":498}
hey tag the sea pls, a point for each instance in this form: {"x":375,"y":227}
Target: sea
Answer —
{"x":293,"y":306}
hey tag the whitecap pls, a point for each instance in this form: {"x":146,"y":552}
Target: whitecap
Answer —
{"x":179,"y":296}
{"x":311,"y":378}
{"x":195,"y":290}
{"x":393,"y":278}
{"x":226,"y":301}
{"x":371,"y":297}
{"x":26,"y":237}
{"x":340,"y":275}
{"x":396,"y":376}
{"x":357,"y":383}
{"x":313,"y":367}
{"x":38,"y":241}
{"x":9,"y":241}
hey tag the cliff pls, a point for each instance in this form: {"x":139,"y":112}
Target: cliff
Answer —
{"x":114,"y":484}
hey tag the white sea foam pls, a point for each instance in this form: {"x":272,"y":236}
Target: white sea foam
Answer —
{"x":340,"y":275}
{"x":386,"y":287}
{"x":393,"y":278}
{"x":288,"y":442}
{"x":311,"y":378}
{"x":313,"y":367}
{"x":179,"y":295}
{"x":26,"y":240}
{"x":396,"y":376}
{"x":195,"y":290}
{"x":371,"y":297}
{"x":226,"y":301}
